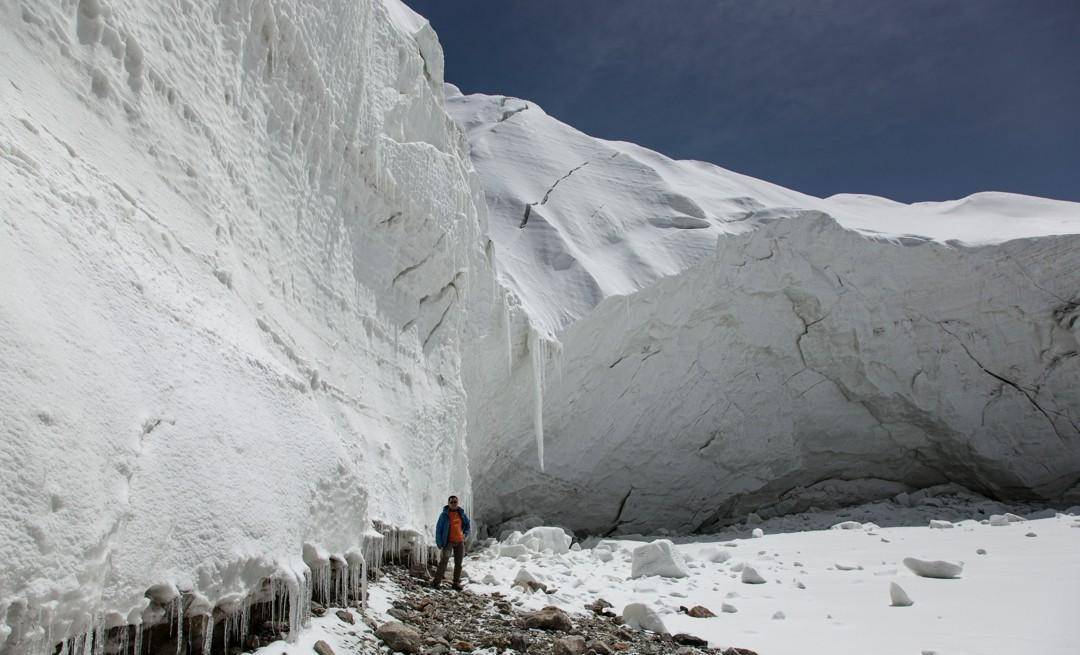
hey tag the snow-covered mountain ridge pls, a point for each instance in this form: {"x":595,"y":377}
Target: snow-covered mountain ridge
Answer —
{"x":707,"y":344}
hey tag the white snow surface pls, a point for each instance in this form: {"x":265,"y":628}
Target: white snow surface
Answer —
{"x":1020,"y":596}
{"x":698,"y":344}
{"x":238,"y":246}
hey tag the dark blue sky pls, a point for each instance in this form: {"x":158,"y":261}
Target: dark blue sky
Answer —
{"x":910,"y":99}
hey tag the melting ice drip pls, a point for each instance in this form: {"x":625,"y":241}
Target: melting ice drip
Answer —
{"x":538,"y":350}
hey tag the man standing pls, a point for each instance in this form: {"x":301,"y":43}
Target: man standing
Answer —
{"x":450,"y":533}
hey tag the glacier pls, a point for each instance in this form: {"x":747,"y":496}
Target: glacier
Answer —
{"x":270,"y":291}
{"x":241,"y":246}
{"x":728,"y":346}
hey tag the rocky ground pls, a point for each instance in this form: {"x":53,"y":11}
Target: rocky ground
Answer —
{"x":435,"y":622}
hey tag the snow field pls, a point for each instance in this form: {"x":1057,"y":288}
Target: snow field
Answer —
{"x":1019,"y":595}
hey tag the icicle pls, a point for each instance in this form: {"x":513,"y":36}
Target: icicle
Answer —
{"x":88,"y":640}
{"x":64,"y":648}
{"x":138,"y":639}
{"x":509,"y":340}
{"x":208,"y":635}
{"x":179,"y":624}
{"x":363,"y":585}
{"x":537,"y":348}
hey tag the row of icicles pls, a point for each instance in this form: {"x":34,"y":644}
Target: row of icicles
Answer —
{"x":183,"y":623}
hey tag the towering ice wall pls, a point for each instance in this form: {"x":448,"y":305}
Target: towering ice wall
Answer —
{"x":238,"y":244}
{"x":688,"y":344}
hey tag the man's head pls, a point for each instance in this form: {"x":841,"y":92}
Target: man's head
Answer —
{"x":452,"y":501}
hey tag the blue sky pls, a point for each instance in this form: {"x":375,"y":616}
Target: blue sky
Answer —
{"x":909,"y":99}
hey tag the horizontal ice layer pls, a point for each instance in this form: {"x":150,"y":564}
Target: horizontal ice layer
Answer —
{"x":707,"y":344}
{"x":237,"y":244}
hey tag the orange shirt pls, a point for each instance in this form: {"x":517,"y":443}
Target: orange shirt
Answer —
{"x":456,"y":535}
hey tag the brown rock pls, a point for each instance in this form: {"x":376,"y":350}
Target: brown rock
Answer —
{"x":700,"y":612}
{"x":620,"y":645}
{"x":520,"y":641}
{"x":599,"y":648}
{"x":737,"y":651}
{"x":317,"y":609}
{"x":323,"y":648}
{"x":399,"y":637}
{"x":690,"y":640}
{"x":573,"y":645}
{"x":346,"y":616}
{"x":463,"y":646}
{"x":399,"y":614}
{"x":438,"y":649}
{"x":549,"y":618}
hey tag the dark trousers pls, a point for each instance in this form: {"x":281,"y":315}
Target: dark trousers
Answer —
{"x":444,"y":557}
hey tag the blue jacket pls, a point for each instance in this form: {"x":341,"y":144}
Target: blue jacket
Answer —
{"x":442,"y":528}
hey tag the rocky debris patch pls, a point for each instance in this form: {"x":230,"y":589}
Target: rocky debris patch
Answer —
{"x":444,"y":622}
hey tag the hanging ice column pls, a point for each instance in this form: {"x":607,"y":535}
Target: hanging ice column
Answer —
{"x":538,"y":351}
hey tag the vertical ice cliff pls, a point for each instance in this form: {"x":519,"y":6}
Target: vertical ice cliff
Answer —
{"x":728,"y":345}
{"x":239,"y":241}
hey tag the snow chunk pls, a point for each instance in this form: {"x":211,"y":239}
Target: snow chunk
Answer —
{"x":847,"y":525}
{"x":898,"y":596}
{"x":941,"y":525}
{"x":751,"y":576}
{"x":641,"y":616}
{"x":933,"y":568}
{"x":660,"y":557}
{"x":548,"y":537}
{"x":757,"y":533}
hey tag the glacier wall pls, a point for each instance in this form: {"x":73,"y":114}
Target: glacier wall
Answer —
{"x":239,"y":241}
{"x":701,"y":344}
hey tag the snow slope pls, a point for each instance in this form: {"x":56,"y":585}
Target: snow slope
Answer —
{"x":831,"y":588}
{"x":702,"y":344}
{"x":238,"y":245}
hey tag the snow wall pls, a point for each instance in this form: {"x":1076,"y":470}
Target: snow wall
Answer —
{"x":701,"y":344}
{"x":239,"y":244}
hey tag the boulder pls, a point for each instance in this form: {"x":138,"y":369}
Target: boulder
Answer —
{"x":685,"y":639}
{"x":700,"y":612}
{"x":346,"y":616}
{"x":399,"y":637}
{"x":573,"y":645}
{"x":549,"y":618}
{"x":660,"y":557}
{"x":323,"y":648}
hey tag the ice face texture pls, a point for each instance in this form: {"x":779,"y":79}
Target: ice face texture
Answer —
{"x":726,"y":345}
{"x":238,"y":247}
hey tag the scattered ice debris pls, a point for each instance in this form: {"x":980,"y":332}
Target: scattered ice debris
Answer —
{"x":980,"y":551}
{"x":779,"y":616}
{"x":716,"y":555}
{"x":933,"y":568}
{"x":799,"y":584}
{"x":751,"y":576}
{"x":848,"y":566}
{"x":640,"y":615}
{"x":1031,"y":534}
{"x":728,"y":608}
{"x":1014,"y":518}
{"x":847,"y":525}
{"x":660,"y":557}
{"x":898,"y":596}
{"x":941,"y":525}
{"x":757,"y":533}
{"x":998,"y":520}
{"x":547,"y":537}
